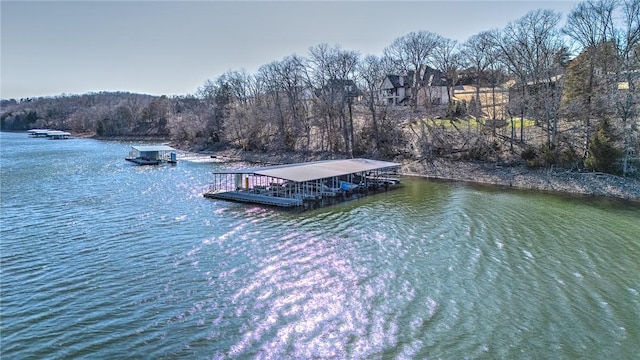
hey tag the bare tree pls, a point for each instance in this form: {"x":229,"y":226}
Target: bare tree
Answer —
{"x":270,"y":75}
{"x":242,"y":85}
{"x":216,"y":97}
{"x":292,"y":79}
{"x":370,"y":74}
{"x":153,"y":119}
{"x":628,"y":48}
{"x":320,"y":71}
{"x":332,"y":70}
{"x":447,"y":59}
{"x":479,"y":52}
{"x":528,"y":49}
{"x":590,"y":26}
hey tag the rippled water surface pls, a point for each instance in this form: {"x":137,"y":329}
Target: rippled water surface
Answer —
{"x":103,"y":259}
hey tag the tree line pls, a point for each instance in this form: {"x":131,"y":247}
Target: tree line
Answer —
{"x":572,"y":98}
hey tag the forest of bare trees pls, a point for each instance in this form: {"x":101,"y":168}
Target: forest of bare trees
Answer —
{"x":571,"y":98}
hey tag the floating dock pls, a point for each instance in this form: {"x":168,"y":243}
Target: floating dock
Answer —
{"x":152,"y":155}
{"x":49,"y":134}
{"x":305,"y":185}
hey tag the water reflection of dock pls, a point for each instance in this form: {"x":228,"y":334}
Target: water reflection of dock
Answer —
{"x":304,"y":184}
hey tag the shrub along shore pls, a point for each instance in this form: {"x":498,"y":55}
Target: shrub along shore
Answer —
{"x":515,"y":176}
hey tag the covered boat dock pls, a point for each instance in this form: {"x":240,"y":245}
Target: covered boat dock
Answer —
{"x":50,"y":134}
{"x":306,"y":185}
{"x":152,"y":154}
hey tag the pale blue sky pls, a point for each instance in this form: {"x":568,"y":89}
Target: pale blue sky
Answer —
{"x":173,"y":47}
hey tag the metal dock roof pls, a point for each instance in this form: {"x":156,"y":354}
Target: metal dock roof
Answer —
{"x":147,"y":148}
{"x":41,"y":131}
{"x":57,"y":133}
{"x":315,"y":170}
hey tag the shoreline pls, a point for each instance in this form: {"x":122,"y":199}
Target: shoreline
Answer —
{"x":560,"y":181}
{"x":520,"y":177}
{"x":517,"y":176}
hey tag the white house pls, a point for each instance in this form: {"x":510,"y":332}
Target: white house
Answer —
{"x":397,"y":89}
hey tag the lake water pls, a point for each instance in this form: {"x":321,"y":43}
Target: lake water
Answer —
{"x":104,"y":259}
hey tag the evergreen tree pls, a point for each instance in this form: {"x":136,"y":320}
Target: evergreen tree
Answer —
{"x":604,"y":156}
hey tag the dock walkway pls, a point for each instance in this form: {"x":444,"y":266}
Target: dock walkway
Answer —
{"x":254,"y":198}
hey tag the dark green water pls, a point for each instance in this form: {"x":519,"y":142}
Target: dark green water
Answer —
{"x":103,"y":259}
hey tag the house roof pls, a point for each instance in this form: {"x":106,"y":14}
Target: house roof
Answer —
{"x":395,"y":80}
{"x":347,"y":86}
{"x":316,"y":170}
{"x":407,"y":81}
{"x":431,"y":77}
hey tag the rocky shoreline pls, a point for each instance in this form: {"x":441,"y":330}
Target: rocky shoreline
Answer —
{"x":520,"y":177}
{"x":517,"y":176}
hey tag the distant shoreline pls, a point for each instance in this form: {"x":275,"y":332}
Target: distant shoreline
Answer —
{"x":516,"y":176}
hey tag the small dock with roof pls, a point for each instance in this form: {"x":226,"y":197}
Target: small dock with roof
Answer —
{"x":305,"y":185}
{"x":49,"y":134}
{"x":152,"y":155}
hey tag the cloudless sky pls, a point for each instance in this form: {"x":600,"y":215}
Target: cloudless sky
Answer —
{"x":173,"y":47}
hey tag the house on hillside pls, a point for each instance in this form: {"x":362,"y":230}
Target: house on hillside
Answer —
{"x":396,"y":89}
{"x":345,"y":87}
{"x":528,"y":98}
{"x":340,"y":90}
{"x":493,"y":101}
{"x":432,"y":88}
{"x":623,"y":80}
